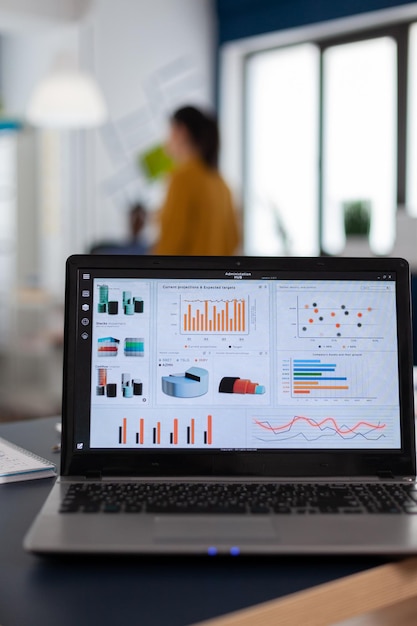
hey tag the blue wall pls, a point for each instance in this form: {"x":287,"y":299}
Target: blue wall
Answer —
{"x":244,"y":18}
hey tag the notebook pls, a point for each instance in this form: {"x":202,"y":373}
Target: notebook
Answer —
{"x":235,"y":406}
{"x":16,"y":464}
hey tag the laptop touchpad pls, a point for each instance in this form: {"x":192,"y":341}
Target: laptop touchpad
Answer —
{"x":208,"y":528}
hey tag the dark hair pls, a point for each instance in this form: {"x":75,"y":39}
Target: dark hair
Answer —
{"x":203,"y":131}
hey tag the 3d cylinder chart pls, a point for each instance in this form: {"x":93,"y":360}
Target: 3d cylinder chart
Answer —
{"x":137,"y":387}
{"x":111,"y":390}
{"x":105,"y":388}
{"x":113,"y":307}
{"x":103,"y":299}
{"x":230,"y":384}
{"x":132,"y":305}
{"x":108,"y":387}
{"x":193,"y":383}
{"x":214,"y":316}
{"x":131,"y":386}
{"x":129,"y":305}
{"x":127,"y":387}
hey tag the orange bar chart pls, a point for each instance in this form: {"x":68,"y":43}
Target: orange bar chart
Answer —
{"x":214,"y":316}
{"x":191,"y":432}
{"x":208,"y":434}
{"x":174,"y":431}
{"x":156,"y":433}
{"x":123,"y":431}
{"x":140,"y":435}
{"x":173,"y":436}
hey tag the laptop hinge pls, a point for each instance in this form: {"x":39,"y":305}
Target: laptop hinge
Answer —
{"x":385,"y":475}
{"x":96,"y":474}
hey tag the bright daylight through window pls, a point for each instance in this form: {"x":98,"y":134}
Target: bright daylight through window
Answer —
{"x":358,"y":132}
{"x":282,"y":152}
{"x":360,"y":139}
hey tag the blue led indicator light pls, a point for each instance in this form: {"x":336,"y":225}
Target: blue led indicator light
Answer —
{"x":234,"y":551}
{"x":212,"y":551}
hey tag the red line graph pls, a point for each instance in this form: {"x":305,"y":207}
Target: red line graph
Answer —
{"x":327,"y":421}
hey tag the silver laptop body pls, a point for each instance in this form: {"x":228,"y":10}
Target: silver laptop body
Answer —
{"x":253,"y":379}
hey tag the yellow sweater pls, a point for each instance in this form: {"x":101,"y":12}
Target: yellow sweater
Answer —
{"x":198,"y":217}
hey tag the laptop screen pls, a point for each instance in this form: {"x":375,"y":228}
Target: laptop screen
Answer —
{"x":242,"y":361}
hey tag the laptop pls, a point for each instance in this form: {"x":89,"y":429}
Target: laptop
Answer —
{"x":234,"y":406}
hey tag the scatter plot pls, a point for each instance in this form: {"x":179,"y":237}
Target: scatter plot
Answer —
{"x":323,"y":316}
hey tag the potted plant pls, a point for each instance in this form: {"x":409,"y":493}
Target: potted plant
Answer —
{"x":357,"y":217}
{"x":357,"y":221}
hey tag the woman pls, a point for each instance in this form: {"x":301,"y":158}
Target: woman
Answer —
{"x":198,"y":217}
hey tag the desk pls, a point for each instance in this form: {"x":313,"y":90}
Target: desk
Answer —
{"x":172,"y":591}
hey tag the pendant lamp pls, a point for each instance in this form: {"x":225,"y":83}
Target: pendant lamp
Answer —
{"x":66,"y":98}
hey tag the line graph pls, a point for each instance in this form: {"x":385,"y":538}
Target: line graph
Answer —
{"x":328,"y":431}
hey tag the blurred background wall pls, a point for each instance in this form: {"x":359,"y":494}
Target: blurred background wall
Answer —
{"x":64,"y":190}
{"x":318,"y":112}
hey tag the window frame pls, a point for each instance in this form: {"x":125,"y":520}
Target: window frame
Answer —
{"x":400,"y":33}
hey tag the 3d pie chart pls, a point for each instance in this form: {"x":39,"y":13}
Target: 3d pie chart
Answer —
{"x":191,"y":384}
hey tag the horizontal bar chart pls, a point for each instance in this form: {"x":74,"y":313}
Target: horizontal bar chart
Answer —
{"x":310,"y":376}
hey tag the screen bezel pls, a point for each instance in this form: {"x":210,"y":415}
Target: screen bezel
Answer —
{"x":260,"y":463}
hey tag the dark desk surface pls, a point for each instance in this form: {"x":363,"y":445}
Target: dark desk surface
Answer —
{"x":36,"y":591}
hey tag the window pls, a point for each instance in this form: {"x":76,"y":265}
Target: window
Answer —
{"x":326,"y":125}
{"x":412,"y":124}
{"x":359,"y":147}
{"x":282,"y":152}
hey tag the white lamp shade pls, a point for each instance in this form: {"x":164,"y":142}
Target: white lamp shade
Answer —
{"x":66,"y":99}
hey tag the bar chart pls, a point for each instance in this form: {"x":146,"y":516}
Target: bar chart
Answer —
{"x":166,"y":433}
{"x":214,"y":316}
{"x":140,"y":435}
{"x":123,"y":432}
{"x":328,"y":378}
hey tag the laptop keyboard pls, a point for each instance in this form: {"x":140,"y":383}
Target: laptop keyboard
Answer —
{"x":240,"y":498}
